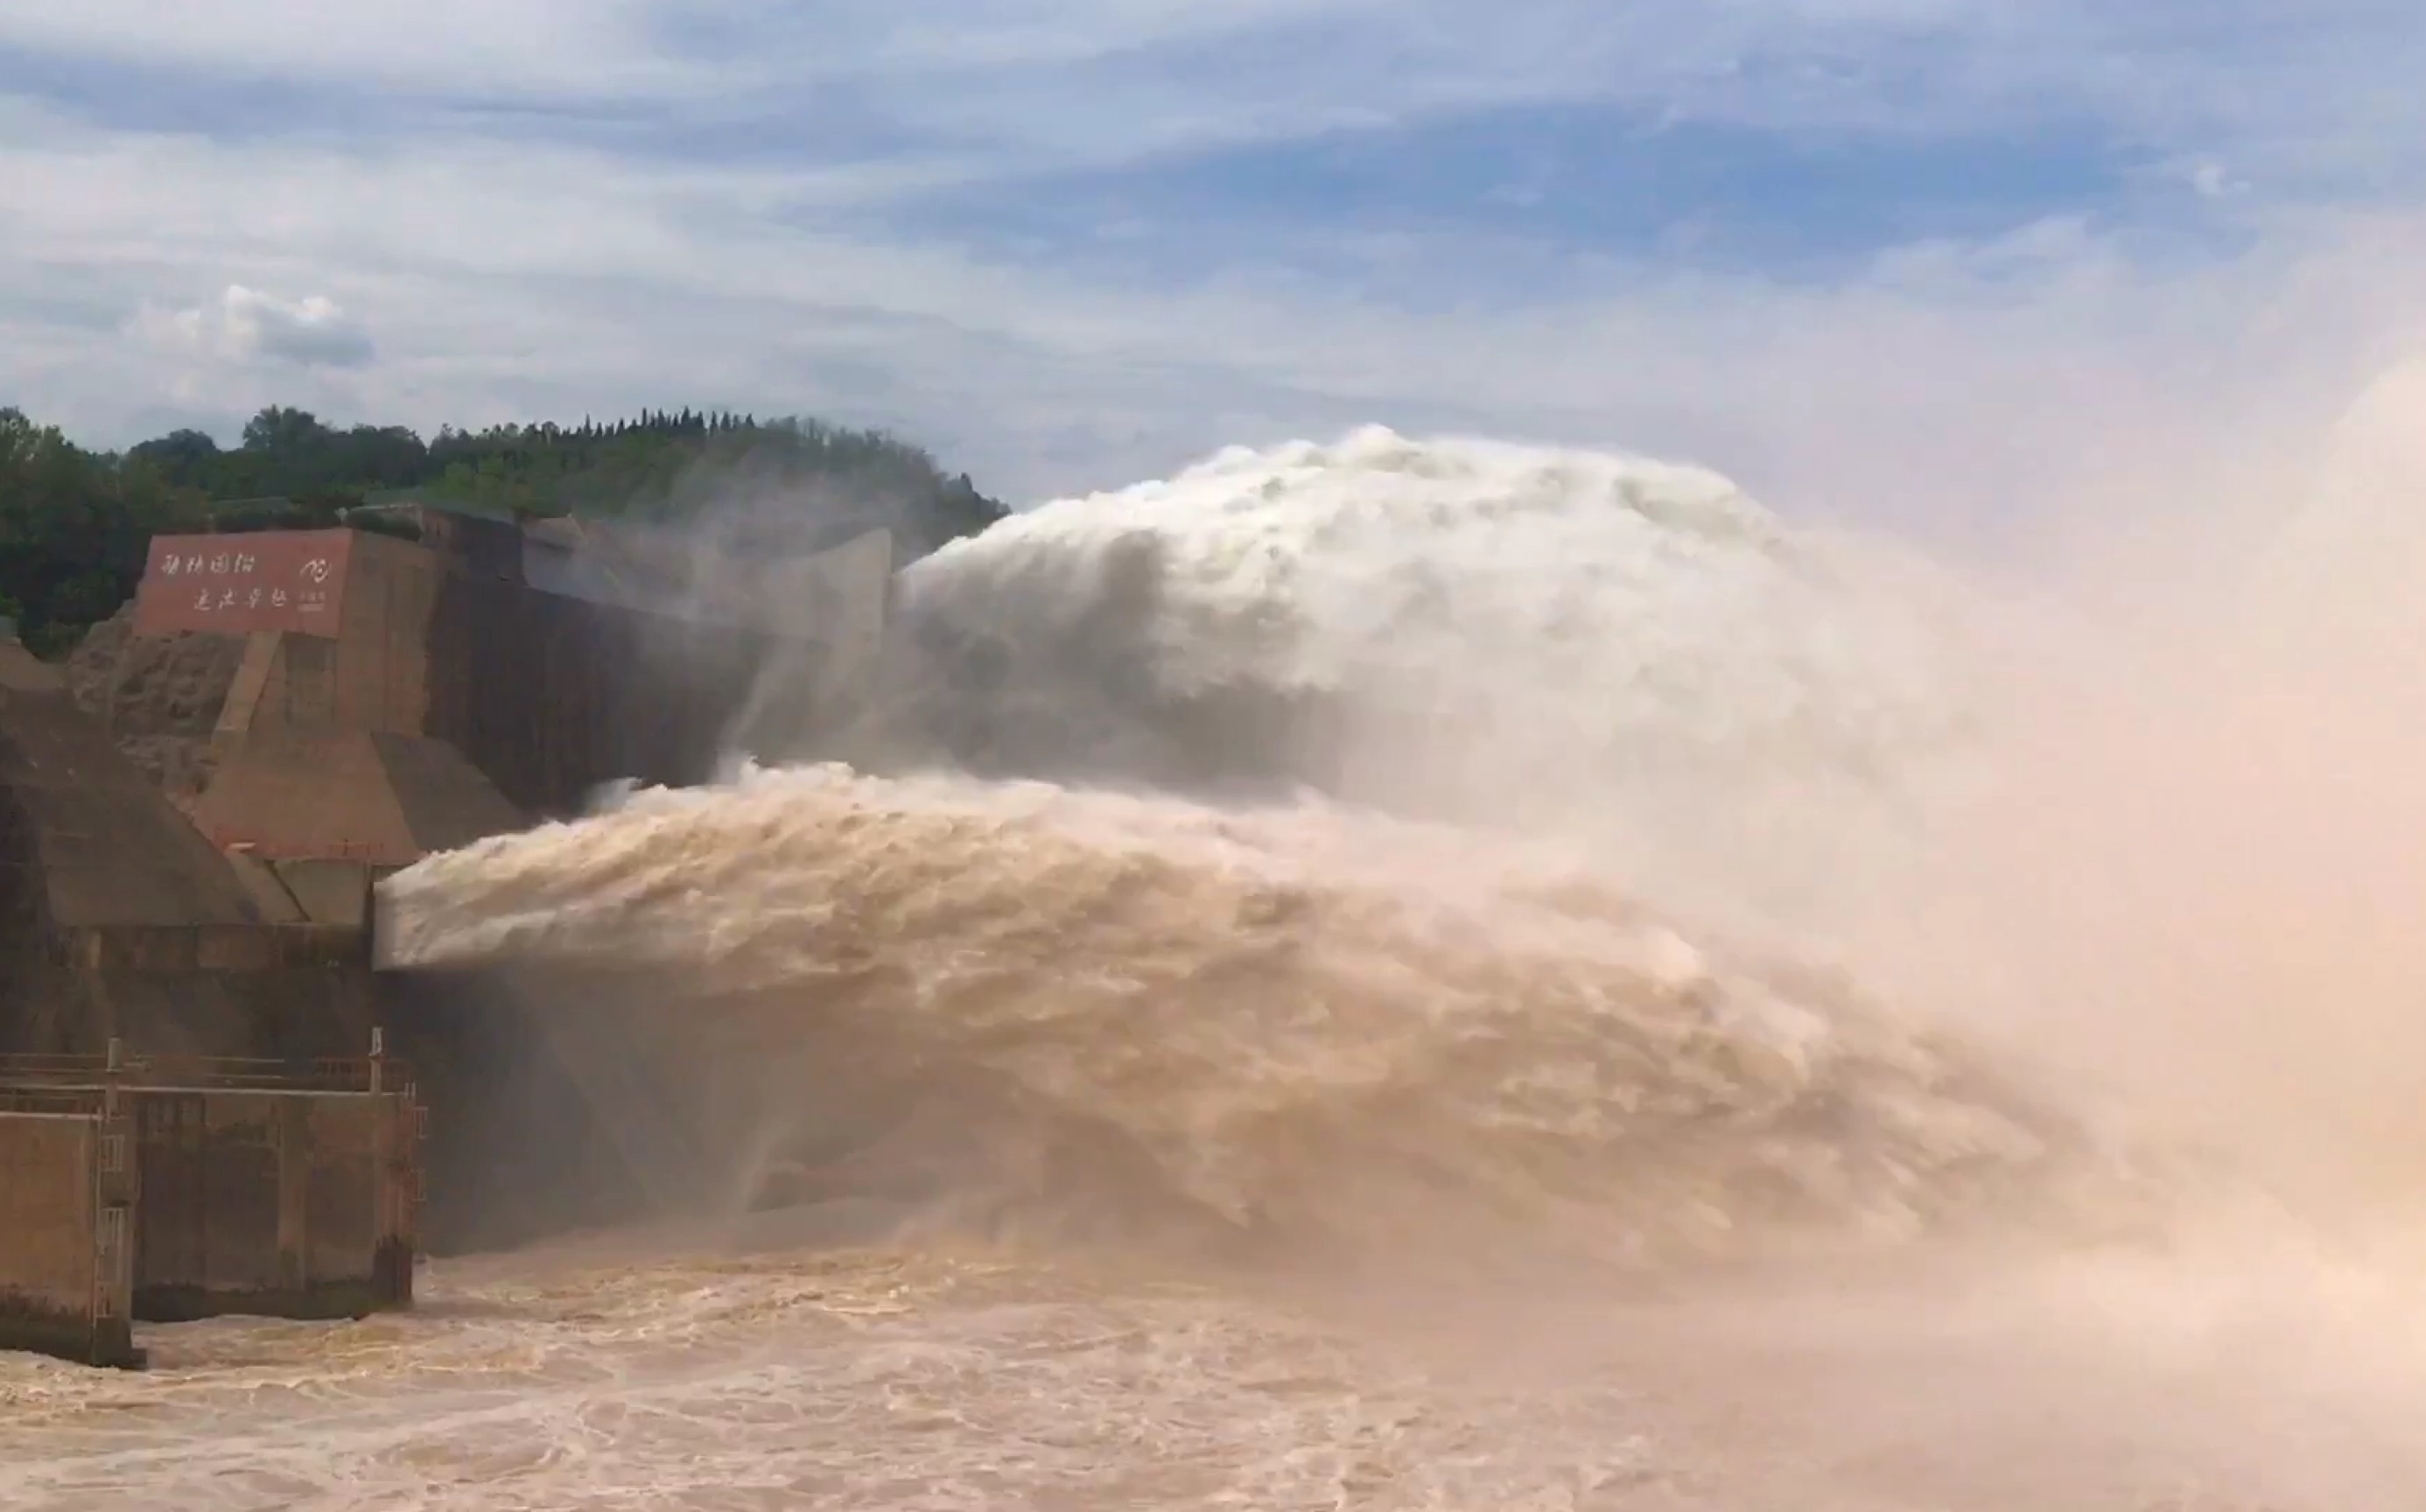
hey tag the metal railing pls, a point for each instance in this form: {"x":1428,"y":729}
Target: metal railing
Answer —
{"x":65,"y":1101}
{"x":33,"y":1075}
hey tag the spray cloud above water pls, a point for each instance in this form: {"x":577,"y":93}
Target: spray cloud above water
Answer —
{"x":1402,"y":750}
{"x":1302,"y":827}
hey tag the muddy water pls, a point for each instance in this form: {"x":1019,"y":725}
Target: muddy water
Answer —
{"x":758,"y":1378}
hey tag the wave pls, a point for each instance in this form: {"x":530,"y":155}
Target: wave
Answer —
{"x":1466,"y":631}
{"x":1299,"y":1025}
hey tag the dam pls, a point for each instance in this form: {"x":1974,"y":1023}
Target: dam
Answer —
{"x":194,"y":819}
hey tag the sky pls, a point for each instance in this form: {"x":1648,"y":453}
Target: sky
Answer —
{"x":1910,"y":259}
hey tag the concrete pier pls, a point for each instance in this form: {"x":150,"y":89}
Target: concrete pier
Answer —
{"x":65,"y":1284}
{"x":165,"y":1189}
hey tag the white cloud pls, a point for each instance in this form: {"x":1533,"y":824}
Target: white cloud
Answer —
{"x":2307,"y":84}
{"x":248,"y":325}
{"x":508,"y":278}
{"x":1946,"y":383}
{"x":540,"y":47}
{"x":1043,"y":82}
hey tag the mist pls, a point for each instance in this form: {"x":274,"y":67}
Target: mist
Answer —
{"x":2194,"y":877}
{"x":2135,"y":818}
{"x":1549,"y":910}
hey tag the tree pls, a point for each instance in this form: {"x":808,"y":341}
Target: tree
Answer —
{"x":74,"y":529}
{"x":805,"y":479}
{"x":184,"y":458}
{"x":280,"y":428}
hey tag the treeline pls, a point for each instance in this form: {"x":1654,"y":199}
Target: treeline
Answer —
{"x":74,"y":522}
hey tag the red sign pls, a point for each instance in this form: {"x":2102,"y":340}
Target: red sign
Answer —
{"x":291,"y":580}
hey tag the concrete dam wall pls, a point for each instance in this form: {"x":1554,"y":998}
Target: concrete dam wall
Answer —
{"x":122,"y":920}
{"x":189,"y":846}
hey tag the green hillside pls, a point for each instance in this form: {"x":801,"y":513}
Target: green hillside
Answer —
{"x":74,"y":522}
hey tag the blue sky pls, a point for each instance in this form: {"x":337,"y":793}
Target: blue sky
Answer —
{"x":1830,"y":245}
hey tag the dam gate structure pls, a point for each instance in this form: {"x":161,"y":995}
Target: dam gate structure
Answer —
{"x":162,"y":1189}
{"x":197,"y":810}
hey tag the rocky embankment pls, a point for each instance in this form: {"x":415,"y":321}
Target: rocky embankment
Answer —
{"x":160,"y":697}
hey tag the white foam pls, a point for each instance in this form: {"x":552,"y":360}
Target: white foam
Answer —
{"x":1567,"y":642}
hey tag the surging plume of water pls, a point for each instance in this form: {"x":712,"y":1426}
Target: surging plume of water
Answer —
{"x":1275,"y":1009}
{"x":1295,"y":1025}
{"x":1466,"y":631}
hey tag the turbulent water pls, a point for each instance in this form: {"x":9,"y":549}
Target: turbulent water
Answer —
{"x":1278,"y":1025}
{"x":1339,"y":1006}
{"x":1496,"y":635}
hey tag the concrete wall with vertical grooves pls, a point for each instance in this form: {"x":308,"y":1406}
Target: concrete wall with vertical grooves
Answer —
{"x":119,"y":918}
